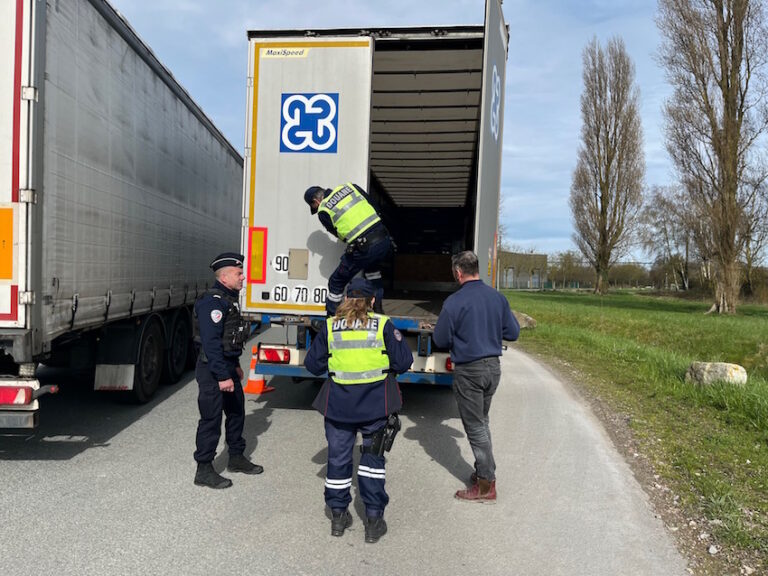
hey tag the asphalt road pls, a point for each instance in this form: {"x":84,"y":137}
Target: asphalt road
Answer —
{"x":102,"y":488}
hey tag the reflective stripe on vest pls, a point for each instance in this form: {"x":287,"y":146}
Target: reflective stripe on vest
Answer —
{"x":357,"y":354}
{"x":351,"y":214}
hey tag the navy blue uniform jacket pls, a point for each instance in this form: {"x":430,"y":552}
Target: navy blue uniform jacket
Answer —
{"x":211,"y":311}
{"x":473,"y":322}
{"x":359,"y":403}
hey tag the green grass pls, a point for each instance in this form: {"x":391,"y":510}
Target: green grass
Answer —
{"x":709,"y":444}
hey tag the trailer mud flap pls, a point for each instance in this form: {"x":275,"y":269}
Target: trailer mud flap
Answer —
{"x":114,"y":377}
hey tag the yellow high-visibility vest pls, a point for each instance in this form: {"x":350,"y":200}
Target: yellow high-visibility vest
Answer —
{"x":357,"y":353}
{"x":351,"y":214}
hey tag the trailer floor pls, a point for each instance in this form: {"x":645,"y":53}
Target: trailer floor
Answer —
{"x":421,"y":305}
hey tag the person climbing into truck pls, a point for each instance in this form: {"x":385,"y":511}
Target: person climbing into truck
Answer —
{"x":347,"y":212}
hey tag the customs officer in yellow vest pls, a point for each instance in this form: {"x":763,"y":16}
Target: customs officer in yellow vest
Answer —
{"x":362,"y":352}
{"x":347,"y":213}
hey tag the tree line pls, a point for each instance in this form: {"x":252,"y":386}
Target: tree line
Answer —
{"x":710,"y":225}
{"x":569,"y":269}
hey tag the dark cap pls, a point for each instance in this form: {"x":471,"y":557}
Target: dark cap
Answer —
{"x":309,"y":195}
{"x":227,"y":259}
{"x":360,"y":288}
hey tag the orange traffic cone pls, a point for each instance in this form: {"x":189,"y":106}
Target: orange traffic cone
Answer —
{"x":256,"y":383}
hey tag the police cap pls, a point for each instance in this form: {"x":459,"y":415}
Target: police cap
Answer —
{"x":309,"y":195}
{"x":227,"y":259}
{"x":360,"y":288}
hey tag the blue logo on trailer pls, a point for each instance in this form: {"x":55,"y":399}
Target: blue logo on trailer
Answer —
{"x":495,"y":102}
{"x":309,"y":123}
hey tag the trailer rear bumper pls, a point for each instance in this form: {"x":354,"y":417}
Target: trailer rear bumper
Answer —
{"x":284,"y":370}
{"x":432,"y":378}
{"x":425,"y":369}
{"x":12,"y":419}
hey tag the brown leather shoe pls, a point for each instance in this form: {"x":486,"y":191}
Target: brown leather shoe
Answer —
{"x":483,"y":491}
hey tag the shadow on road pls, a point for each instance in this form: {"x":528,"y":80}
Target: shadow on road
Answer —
{"x":77,"y":418}
{"x":428,"y":407}
{"x":321,"y":459}
{"x":288,"y":394}
{"x":259,"y":409}
{"x":258,"y":419}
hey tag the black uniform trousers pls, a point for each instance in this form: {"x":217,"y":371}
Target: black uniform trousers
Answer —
{"x":368,"y":259}
{"x":371,"y":473}
{"x":212,"y":402}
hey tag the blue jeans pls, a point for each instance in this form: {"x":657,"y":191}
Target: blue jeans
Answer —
{"x":474,"y":384}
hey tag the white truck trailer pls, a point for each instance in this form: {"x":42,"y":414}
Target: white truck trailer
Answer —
{"x":116,"y":191}
{"x":415,"y":115}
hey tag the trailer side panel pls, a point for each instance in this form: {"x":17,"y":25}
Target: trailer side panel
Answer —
{"x":138,"y":191}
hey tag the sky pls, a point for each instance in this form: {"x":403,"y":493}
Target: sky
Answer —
{"x":203,"y":43}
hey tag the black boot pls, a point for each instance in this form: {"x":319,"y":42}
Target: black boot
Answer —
{"x":340,"y":521}
{"x":207,"y":476}
{"x":375,"y":528}
{"x":239,"y":463}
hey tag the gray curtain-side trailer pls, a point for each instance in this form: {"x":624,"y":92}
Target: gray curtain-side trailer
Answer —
{"x":117,"y":191}
{"x":413,"y":114}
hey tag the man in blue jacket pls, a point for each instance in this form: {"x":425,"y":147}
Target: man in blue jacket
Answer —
{"x":362,"y":352}
{"x":472,"y":324}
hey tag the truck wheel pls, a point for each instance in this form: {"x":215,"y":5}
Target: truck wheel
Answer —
{"x":146,"y":376}
{"x":178,"y":350}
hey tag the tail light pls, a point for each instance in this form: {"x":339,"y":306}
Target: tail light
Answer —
{"x":15,"y":395}
{"x":274,"y":355}
{"x":23,"y":395}
{"x":448,"y":364}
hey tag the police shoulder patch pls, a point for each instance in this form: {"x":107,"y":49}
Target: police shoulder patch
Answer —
{"x":398,"y":335}
{"x":216,"y":316}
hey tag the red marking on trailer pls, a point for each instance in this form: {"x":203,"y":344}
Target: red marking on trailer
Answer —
{"x":14,"y":313}
{"x":17,"y":101}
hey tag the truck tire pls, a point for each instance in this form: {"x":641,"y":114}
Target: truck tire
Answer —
{"x":176,"y":360}
{"x":146,"y":376}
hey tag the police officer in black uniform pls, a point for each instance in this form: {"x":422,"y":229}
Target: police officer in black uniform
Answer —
{"x":221,"y":335}
{"x":362,"y":352}
{"x":348,"y":213}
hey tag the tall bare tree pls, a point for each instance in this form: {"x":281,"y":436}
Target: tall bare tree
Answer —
{"x":502,"y":231}
{"x":714,"y":52}
{"x":606,"y":190}
{"x":756,"y":233}
{"x":665,"y":232}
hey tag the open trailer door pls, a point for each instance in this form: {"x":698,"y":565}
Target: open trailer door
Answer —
{"x":491,"y":129}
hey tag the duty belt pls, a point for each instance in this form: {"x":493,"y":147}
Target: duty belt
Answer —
{"x":377,"y":234}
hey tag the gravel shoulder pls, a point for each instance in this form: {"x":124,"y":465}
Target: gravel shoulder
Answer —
{"x":691,"y":533}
